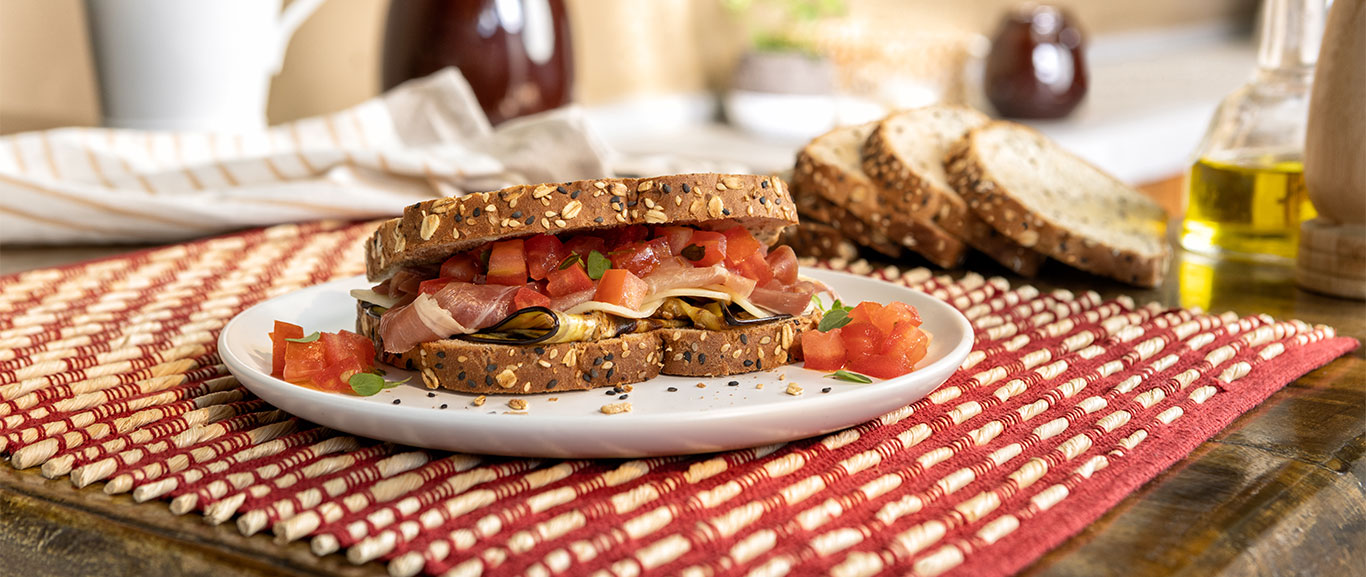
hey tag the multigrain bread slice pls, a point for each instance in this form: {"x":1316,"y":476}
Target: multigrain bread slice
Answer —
{"x":1043,"y":197}
{"x":904,"y":154}
{"x":814,"y":208}
{"x":817,"y":240}
{"x":830,"y":168}
{"x":500,"y":369}
{"x":430,"y":231}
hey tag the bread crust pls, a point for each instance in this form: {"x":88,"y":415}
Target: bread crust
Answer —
{"x":818,"y":240}
{"x":430,"y":231}
{"x":993,"y":200}
{"x":854,"y":203}
{"x":910,"y":192}
{"x":527,"y":369}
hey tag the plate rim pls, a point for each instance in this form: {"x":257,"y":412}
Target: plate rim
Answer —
{"x":949,"y":364}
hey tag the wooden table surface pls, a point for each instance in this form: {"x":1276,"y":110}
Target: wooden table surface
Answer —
{"x":1281,"y":491}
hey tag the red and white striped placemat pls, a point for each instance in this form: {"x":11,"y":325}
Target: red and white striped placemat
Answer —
{"x":108,"y":374}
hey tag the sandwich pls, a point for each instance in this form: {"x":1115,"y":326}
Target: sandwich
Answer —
{"x":580,"y":285}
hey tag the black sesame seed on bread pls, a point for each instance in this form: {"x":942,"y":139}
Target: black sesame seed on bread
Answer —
{"x":502,"y":369}
{"x":829,"y":176}
{"x":1043,"y":197}
{"x":905,"y":153}
{"x":430,"y":231}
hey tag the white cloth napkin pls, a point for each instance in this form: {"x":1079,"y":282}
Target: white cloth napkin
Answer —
{"x":423,"y":139}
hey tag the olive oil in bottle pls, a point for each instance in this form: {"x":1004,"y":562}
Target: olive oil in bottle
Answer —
{"x":1246,"y":194}
{"x":1248,"y":205}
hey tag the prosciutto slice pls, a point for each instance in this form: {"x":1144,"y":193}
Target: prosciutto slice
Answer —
{"x":789,"y":299}
{"x":457,"y":308}
{"x":686,"y":276}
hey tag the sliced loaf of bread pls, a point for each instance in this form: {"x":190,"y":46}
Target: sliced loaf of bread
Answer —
{"x":1043,"y":197}
{"x":829,"y":171}
{"x":905,"y":153}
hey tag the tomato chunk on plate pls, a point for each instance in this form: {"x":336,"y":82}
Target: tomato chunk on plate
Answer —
{"x":823,"y":351}
{"x":283,"y":330}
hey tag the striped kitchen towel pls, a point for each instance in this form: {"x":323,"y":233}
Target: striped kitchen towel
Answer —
{"x":424,"y":139}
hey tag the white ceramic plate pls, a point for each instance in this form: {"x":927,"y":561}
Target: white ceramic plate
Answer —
{"x":691,"y":419}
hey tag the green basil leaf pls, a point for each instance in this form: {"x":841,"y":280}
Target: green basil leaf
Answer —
{"x":693,"y":252}
{"x":392,"y":384}
{"x":834,"y":319}
{"x":597,"y":264}
{"x":569,"y":261}
{"x":850,"y":376}
{"x":820,"y":306}
{"x":366,"y":384}
{"x":306,"y":339}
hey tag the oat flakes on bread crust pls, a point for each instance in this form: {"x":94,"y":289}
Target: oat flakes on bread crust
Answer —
{"x":503,"y":369}
{"x":829,"y":169}
{"x":905,"y":154}
{"x":1043,"y":197}
{"x":430,"y":231}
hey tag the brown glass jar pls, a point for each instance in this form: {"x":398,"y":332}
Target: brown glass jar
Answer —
{"x":514,"y":53}
{"x":1037,"y":64}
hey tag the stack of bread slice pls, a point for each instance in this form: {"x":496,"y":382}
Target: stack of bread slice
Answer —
{"x":939,"y":180}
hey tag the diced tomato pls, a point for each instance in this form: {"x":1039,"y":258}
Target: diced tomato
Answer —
{"x":661,"y":247}
{"x":620,"y":287}
{"x":431,"y":286}
{"x":543,"y":254}
{"x":885,"y":317}
{"x":741,"y":245}
{"x":676,"y":236}
{"x":526,"y":297}
{"x":303,"y":360}
{"x":783,"y":262}
{"x":336,"y":377}
{"x":882,"y":366}
{"x":344,"y":345}
{"x":283,"y":330}
{"x":625,"y":235}
{"x":639,"y":258}
{"x":905,"y":312}
{"x":705,"y":248}
{"x":568,"y":281}
{"x":823,"y":351}
{"x":462,"y":267}
{"x":907,"y":342}
{"x":584,"y":244}
{"x":507,"y":263}
{"x":861,"y":340}
{"x":754,"y":267}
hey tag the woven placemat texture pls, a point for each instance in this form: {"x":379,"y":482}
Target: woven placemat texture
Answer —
{"x":108,"y":374}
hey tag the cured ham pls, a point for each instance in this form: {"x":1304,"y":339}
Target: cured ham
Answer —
{"x":789,"y":299}
{"x":666,"y":278}
{"x":456,"y":308}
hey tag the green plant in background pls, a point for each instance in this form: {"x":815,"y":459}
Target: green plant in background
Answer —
{"x":778,"y":25}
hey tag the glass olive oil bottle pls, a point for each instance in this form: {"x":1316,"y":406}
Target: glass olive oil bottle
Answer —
{"x":1245,"y":191}
{"x":1248,"y":204}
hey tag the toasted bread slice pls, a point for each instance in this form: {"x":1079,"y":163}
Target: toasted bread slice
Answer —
{"x":905,"y":155}
{"x":430,"y":231}
{"x":818,"y":240}
{"x":520,"y":369}
{"x":1045,"y":198}
{"x":829,"y":168}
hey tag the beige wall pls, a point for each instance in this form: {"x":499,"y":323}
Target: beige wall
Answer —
{"x":47,"y":80}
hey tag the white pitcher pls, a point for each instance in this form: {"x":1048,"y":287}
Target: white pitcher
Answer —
{"x":190,"y":65}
